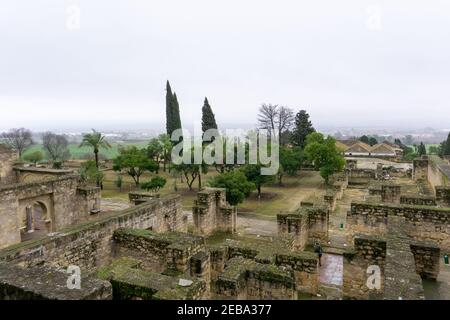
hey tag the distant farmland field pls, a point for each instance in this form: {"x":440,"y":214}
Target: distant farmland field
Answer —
{"x":80,"y":153}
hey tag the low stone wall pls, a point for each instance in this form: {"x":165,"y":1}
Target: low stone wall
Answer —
{"x":425,"y":223}
{"x":140,"y":197}
{"x":426,"y":257}
{"x":276,"y":255}
{"x":89,"y":245}
{"x":34,"y":174}
{"x":390,"y":193}
{"x":158,"y":251}
{"x":45,"y":283}
{"x":367,"y":251}
{"x":130,"y":282}
{"x":402,"y":282}
{"x":418,"y":200}
{"x":211,"y":212}
{"x":443,"y":195}
{"x":307,"y":224}
{"x":245,"y":279}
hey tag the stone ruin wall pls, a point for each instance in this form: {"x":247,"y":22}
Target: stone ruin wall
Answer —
{"x":89,"y":245}
{"x":367,"y":251}
{"x":211,"y":212}
{"x":424,"y":223}
{"x":433,"y":170}
{"x":64,"y":202}
{"x":8,"y":157}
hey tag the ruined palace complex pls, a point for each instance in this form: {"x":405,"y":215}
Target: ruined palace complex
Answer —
{"x":395,"y":220}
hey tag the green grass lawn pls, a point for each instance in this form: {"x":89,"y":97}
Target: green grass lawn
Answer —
{"x":80,"y":153}
{"x":274,"y":199}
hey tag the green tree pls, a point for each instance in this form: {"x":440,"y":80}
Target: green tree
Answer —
{"x":96,"y":141}
{"x":90,"y":174}
{"x":208,"y":118}
{"x":119,"y":182}
{"x":191,"y":171}
{"x":155,"y":184}
{"x":434,"y":150}
{"x":236,"y":184}
{"x":446,"y":146}
{"x":134,"y":162}
{"x":421,"y":149}
{"x":34,"y":157}
{"x":166,"y":146}
{"x":364,"y":139}
{"x":302,"y":128}
{"x":253,"y":174}
{"x":373,"y":141}
{"x":173,"y":120}
{"x":290,"y":162}
{"x":324,"y":155}
{"x":155,"y":151}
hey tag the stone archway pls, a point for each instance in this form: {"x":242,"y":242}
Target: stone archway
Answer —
{"x":37,"y":221}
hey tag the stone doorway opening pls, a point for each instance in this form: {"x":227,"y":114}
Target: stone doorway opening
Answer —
{"x":37,"y":222}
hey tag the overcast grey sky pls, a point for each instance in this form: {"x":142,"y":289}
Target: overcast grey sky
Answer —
{"x":348,"y":62}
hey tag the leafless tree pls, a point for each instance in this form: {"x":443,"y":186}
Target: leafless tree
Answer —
{"x":267,"y":117}
{"x":56,"y":147}
{"x":18,"y":139}
{"x":285,"y":120}
{"x":275,"y":119}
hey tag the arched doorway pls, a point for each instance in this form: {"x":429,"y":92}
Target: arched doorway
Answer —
{"x":37,"y":222}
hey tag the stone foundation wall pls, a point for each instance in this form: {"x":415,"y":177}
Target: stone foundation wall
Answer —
{"x":418,"y":200}
{"x":390,"y":193}
{"x":212,"y":213}
{"x":89,"y":245}
{"x":367,"y":251}
{"x":7,"y":159}
{"x":307,"y":224}
{"x":244,"y":279}
{"x":420,"y":169}
{"x":425,"y":223}
{"x":158,"y":251}
{"x":296,"y":224}
{"x":402,"y":282}
{"x":63,"y":202}
{"x":44,"y":283}
{"x":33,"y":174}
{"x":427,"y":259}
{"x":443,"y":195}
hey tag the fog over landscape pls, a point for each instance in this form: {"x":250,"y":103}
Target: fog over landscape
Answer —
{"x":352,"y":63}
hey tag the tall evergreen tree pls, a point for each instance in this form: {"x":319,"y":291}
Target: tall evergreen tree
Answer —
{"x":173,"y":120}
{"x":176,"y":113}
{"x":421,"y":149}
{"x":302,"y":128}
{"x":208,"y":118}
{"x":446,"y":146}
{"x":169,"y":116}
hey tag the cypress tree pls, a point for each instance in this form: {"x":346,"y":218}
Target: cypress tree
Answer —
{"x":169,"y":116}
{"x":176,"y":113}
{"x":421,"y":149}
{"x":446,"y":146}
{"x":208,"y":118}
{"x":173,"y":120}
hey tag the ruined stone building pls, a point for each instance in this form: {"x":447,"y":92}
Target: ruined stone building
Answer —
{"x":50,"y":228}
